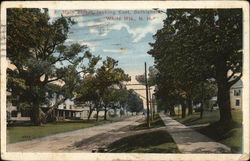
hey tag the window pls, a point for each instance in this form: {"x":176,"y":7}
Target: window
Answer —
{"x":237,"y":92}
{"x":25,"y":113}
{"x":13,"y":113}
{"x":237,"y":102}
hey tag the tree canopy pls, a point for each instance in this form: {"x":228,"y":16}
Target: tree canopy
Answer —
{"x":44,"y":64}
{"x":196,"y":46}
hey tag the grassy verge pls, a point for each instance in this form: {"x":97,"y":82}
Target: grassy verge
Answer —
{"x":153,"y":142}
{"x":194,"y":119}
{"x":157,"y":122}
{"x":22,"y":133}
{"x":158,"y":141}
{"x":229,"y":133}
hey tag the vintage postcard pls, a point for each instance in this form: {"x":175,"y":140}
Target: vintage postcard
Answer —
{"x":125,"y":80}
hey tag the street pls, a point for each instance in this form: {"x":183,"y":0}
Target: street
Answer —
{"x":84,"y":140}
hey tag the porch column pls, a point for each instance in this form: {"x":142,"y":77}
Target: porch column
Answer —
{"x":63,"y":114}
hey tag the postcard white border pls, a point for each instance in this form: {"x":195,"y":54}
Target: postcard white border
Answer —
{"x":129,"y":5}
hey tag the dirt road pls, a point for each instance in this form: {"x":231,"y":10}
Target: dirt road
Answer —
{"x":83,"y":140}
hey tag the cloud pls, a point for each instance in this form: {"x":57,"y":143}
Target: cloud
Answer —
{"x":151,"y":27}
{"x":137,"y":33}
{"x":121,"y":50}
{"x":100,"y":26}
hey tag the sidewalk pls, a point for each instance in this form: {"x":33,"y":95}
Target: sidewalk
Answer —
{"x":190,"y":141}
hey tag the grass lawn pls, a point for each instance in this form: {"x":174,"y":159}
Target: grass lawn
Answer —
{"x":150,"y":142}
{"x":208,"y":117}
{"x":153,"y":142}
{"x":22,"y":133}
{"x":157,"y":122}
{"x":229,"y":134}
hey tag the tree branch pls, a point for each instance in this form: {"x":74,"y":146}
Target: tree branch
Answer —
{"x":230,"y":83}
{"x":52,"y":80}
{"x":231,"y":76}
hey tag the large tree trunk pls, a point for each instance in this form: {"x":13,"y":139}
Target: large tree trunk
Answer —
{"x":224,"y":102}
{"x":223,"y":97}
{"x":38,"y":116}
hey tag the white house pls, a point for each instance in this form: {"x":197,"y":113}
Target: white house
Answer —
{"x":236,"y":95}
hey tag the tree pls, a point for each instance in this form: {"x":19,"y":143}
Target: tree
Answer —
{"x":199,"y":45}
{"x":107,"y":76}
{"x":134,"y":102}
{"x":88,"y":94}
{"x":99,"y":89}
{"x":35,"y":46}
{"x":152,"y":72}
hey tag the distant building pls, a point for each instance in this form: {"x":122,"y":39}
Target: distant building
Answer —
{"x":67,"y":110}
{"x":15,"y":114}
{"x":236,"y":95}
{"x":213,"y":103}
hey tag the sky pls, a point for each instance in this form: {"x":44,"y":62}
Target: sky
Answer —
{"x":121,"y":34}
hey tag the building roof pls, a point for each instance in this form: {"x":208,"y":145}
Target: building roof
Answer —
{"x":72,"y":110}
{"x":238,"y":84}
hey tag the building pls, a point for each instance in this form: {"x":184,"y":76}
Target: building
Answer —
{"x":236,"y":95}
{"x":67,"y":110}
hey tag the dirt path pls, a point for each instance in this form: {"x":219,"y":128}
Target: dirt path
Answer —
{"x":83,"y":140}
{"x":191,"y":141}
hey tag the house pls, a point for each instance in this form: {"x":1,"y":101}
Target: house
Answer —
{"x":213,"y":103}
{"x":236,"y":95}
{"x":67,"y":110}
{"x":15,"y":114}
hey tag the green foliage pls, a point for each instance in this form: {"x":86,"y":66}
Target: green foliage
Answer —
{"x":157,"y":122}
{"x":194,"y":47}
{"x":152,"y":72}
{"x":35,"y":46}
{"x":108,"y":74}
{"x":103,"y":86}
{"x":134,"y":102}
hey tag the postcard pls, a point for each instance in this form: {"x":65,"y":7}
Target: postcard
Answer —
{"x":125,"y":80}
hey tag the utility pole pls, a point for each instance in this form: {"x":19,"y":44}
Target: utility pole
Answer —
{"x":146,"y":84}
{"x":150,"y":105}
